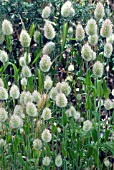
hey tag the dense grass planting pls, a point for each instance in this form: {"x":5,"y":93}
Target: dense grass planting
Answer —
{"x":56,"y":86}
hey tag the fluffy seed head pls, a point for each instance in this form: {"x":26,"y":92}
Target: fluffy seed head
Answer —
{"x":46,"y":161}
{"x":37,"y":144}
{"x":2,"y":143}
{"x":91,"y":27}
{"x":93,"y":39}
{"x":27,"y":97}
{"x":45,"y":63}
{"x":3,"y":115}
{"x":46,"y":12}
{"x":58,"y":160}
{"x":87,"y":125}
{"x":108,"y":104}
{"x":24,"y":81}
{"x":106,"y":29}
{"x":46,"y":136}
{"x":49,"y":48}
{"x":98,"y":69}
{"x":48,"y":83}
{"x":18,"y":110}
{"x":3,"y":93}
{"x":3,"y":56}
{"x":46,"y":114}
{"x":26,"y":72}
{"x":106,"y":162}
{"x":22,"y":61}
{"x":22,"y":96}
{"x":108,"y":50}
{"x":36,"y":96}
{"x":71,"y":67}
{"x":61,"y":100}
{"x":31,"y":109}
{"x":58,"y":87}
{"x":76,"y":115}
{"x":86,"y":52}
{"x":49,"y":31}
{"x":7,"y":28}
{"x":25,"y":38}
{"x":93,"y":55}
{"x":67,"y":9}
{"x":99,"y":11}
{"x":37,"y":36}
{"x":65,"y":88}
{"x":110,"y":39}
{"x":80,"y":34}
{"x":15,"y":121}
{"x":53,"y":93}
{"x":14,"y":92}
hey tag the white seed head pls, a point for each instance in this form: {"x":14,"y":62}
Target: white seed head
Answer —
{"x":27,"y":57}
{"x":86,"y":52}
{"x":16,"y":121}
{"x":98,"y":69}
{"x":37,"y":144}
{"x":110,"y":39}
{"x":53,"y":93}
{"x":46,"y":136}
{"x":80,"y":34}
{"x":67,"y":9}
{"x":49,"y":48}
{"x":31,"y":109}
{"x":91,"y":27}
{"x":46,"y":114}
{"x":93,"y":55}
{"x":46,"y":161}
{"x":3,"y":56}
{"x":2,"y":143}
{"x":27,"y":97}
{"x":25,"y":38}
{"x":58,"y":160}
{"x":58,"y":87}
{"x":14,"y":92}
{"x":24,"y":81}
{"x":3,"y":115}
{"x":87,"y":125}
{"x":48,"y":83}
{"x":61,"y":100}
{"x":22,"y":61}
{"x":49,"y":31}
{"x":71,"y":67}
{"x":3,"y":93}
{"x":7,"y":28}
{"x":79,"y":97}
{"x":45,"y":63}
{"x":36,"y":96}
{"x":106,"y":162}
{"x":46,"y":12}
{"x":93,"y":39}
{"x":22,"y":96}
{"x":26,"y":72}
{"x":18,"y":110}
{"x":65,"y":88}
{"x":106,"y":29}
{"x":37,"y":36}
{"x":76,"y":115}
{"x":99,"y":11}
{"x":108,"y":104}
{"x":108,"y":50}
